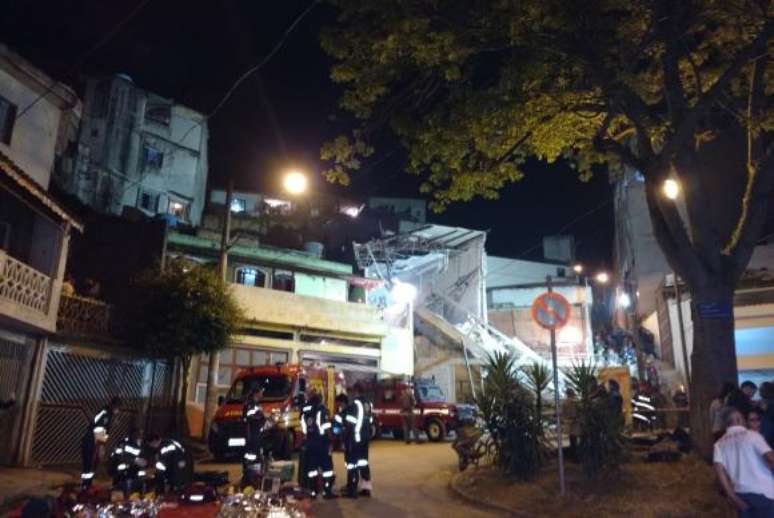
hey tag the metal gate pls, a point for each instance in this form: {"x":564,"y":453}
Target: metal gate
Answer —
{"x":77,"y":382}
{"x":15,"y":362}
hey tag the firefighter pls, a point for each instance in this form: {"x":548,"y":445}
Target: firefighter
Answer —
{"x":317,"y":446}
{"x":357,"y":424}
{"x":173,"y":468}
{"x":93,"y":440}
{"x":127,"y":462}
{"x":254,"y":421}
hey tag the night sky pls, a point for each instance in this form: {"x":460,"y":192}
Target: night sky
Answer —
{"x":193,"y":51}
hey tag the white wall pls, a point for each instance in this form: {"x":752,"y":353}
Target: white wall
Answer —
{"x":33,"y":141}
{"x":503,"y":271}
{"x":319,"y":286}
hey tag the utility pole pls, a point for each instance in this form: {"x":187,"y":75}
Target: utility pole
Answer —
{"x":211,"y":398}
{"x":681,"y":323}
{"x":557,"y":407}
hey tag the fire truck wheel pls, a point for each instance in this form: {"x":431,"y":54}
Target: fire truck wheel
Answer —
{"x":435,"y":429}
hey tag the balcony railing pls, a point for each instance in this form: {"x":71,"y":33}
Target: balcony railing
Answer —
{"x":24,"y":285}
{"x":85,"y":317}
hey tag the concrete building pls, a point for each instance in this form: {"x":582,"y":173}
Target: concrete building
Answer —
{"x":299,"y":308}
{"x":407,"y":209}
{"x":35,"y":112}
{"x":643,"y":273}
{"x":512,"y":285}
{"x":139,"y":150}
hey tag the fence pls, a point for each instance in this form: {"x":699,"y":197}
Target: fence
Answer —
{"x":78,"y":381}
{"x":15,"y":366}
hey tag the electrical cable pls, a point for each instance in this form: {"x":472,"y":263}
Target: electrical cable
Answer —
{"x":255,"y":68}
{"x":101,"y":43}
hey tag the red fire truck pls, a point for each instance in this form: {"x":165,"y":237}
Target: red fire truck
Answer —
{"x":434,"y":414}
{"x":282,"y":385}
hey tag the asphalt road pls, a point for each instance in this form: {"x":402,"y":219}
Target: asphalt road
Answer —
{"x":409,"y":480}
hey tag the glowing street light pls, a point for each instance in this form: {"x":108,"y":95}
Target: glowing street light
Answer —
{"x":578,"y":268}
{"x":295,"y":182}
{"x":403,"y":293}
{"x":624,"y":300}
{"x":602,"y":277}
{"x":671,"y":189}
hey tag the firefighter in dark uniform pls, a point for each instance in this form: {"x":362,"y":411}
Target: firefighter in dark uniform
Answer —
{"x":126,"y":462}
{"x":254,"y":420}
{"x":357,"y":428}
{"x":95,"y":436}
{"x":173,"y":468}
{"x":317,"y":446}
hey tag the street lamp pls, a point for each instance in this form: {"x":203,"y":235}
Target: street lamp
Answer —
{"x":578,"y":268}
{"x":602,"y":277}
{"x":624,"y":300}
{"x":671,"y":189}
{"x":295,"y":182}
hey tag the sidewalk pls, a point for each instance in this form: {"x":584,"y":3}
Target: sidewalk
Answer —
{"x":17,"y":483}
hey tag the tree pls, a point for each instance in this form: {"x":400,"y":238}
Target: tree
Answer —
{"x":181,"y":311}
{"x":671,"y":89}
{"x":538,"y":376}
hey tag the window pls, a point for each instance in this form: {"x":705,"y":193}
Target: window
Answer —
{"x":159,"y":113}
{"x":178,"y":209}
{"x":283,"y":280}
{"x":148,"y":201}
{"x":151,"y":157}
{"x":250,"y":276}
{"x":7,"y":120}
{"x":238,"y":205}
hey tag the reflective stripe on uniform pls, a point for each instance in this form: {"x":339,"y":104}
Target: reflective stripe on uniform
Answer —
{"x":350,"y":466}
{"x":161,"y":466}
{"x":303,"y":424}
{"x":87,"y":476}
{"x":250,"y":456}
{"x":141,"y":473}
{"x":99,"y":416}
{"x":100,"y":429}
{"x":132,"y":450}
{"x":312,"y":473}
{"x":307,"y":408}
{"x":122,"y":467}
{"x":362,"y":463}
{"x":337,"y":418}
{"x":351,"y":419}
{"x":252,"y":411}
{"x":327,"y":474}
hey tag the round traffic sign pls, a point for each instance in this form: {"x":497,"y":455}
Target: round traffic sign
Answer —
{"x":551,"y":311}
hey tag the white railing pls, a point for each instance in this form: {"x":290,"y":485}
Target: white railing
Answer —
{"x":23,"y":284}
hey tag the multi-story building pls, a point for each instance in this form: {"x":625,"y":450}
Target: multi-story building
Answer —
{"x":512,"y":285}
{"x":36,"y":115}
{"x":299,"y":308}
{"x":643,"y":274}
{"x":137,"y":149}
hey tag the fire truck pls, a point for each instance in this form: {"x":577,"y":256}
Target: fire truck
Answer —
{"x":434,"y":414}
{"x":283,"y":389}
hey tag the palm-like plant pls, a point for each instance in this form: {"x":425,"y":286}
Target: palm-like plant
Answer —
{"x":509,"y":412}
{"x":537,"y":376}
{"x":601,"y":441}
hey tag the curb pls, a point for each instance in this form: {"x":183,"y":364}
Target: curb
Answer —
{"x":454,"y":486}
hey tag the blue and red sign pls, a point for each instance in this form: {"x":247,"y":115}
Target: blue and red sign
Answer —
{"x":551,"y":311}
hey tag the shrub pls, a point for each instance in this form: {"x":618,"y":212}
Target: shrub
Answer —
{"x":509,"y":411}
{"x":601,"y":440}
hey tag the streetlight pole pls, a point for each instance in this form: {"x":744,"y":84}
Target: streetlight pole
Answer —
{"x":211,"y":397}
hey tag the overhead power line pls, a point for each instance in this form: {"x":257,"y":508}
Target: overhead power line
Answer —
{"x":101,"y":43}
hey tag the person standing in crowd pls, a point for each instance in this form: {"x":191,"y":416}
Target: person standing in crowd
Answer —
{"x":317,"y":462}
{"x":741,"y":398}
{"x":357,"y":422}
{"x":716,"y":410}
{"x":408,"y":403}
{"x":743,"y":464}
{"x":254,"y":420}
{"x":570,"y":421}
{"x":94,"y":439}
{"x":767,"y":406}
{"x":614,"y":397}
{"x":754,"y":419}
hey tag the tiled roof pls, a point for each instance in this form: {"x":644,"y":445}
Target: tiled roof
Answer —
{"x":15,"y":173}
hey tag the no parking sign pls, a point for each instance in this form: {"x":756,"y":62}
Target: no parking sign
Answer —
{"x":551,"y":311}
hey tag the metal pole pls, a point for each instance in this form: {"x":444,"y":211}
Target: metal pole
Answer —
{"x":678,"y":296}
{"x":211,"y":398}
{"x":557,"y":407}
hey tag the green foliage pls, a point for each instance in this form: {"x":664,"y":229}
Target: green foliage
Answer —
{"x":182,"y":311}
{"x":538,"y":376}
{"x":508,"y":409}
{"x":601,"y":441}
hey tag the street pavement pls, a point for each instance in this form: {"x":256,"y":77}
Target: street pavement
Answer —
{"x":409,"y":480}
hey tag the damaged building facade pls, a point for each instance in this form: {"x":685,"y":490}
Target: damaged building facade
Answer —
{"x":139,"y":151}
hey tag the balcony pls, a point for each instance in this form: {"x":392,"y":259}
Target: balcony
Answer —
{"x":25,"y":293}
{"x":85,"y":318}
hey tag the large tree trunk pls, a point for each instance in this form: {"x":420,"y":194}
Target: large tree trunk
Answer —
{"x":713,"y":360}
{"x":181,"y":420}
